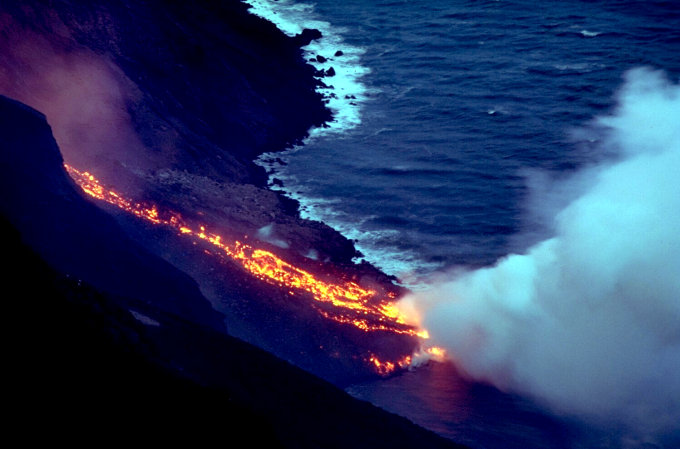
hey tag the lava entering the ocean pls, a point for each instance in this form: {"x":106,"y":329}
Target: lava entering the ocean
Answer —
{"x":345,"y":302}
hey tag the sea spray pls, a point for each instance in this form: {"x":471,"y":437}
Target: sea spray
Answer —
{"x":588,"y":321}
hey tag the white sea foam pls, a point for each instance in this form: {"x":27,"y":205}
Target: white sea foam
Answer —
{"x":586,"y":33}
{"x":406,"y":265}
{"x":345,"y":92}
{"x":344,"y":95}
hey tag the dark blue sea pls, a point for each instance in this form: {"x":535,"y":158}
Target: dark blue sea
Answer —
{"x":448,"y":116}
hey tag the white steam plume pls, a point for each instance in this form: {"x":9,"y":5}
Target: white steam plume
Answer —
{"x":588,"y":321}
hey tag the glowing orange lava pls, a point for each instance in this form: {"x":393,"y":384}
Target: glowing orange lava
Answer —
{"x":386,"y":368}
{"x":436,"y":352}
{"x":343,"y":302}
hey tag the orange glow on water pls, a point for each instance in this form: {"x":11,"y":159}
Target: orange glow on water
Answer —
{"x":343,"y":302}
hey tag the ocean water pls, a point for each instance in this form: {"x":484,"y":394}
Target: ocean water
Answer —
{"x":457,"y":104}
{"x":449,"y":116}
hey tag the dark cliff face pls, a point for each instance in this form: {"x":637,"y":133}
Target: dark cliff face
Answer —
{"x":217,"y":84}
{"x":75,"y":236}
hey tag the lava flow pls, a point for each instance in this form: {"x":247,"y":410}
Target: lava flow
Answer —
{"x":345,"y":302}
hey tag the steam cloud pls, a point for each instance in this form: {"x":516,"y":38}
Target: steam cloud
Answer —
{"x":588,"y":321}
{"x":84,"y":96}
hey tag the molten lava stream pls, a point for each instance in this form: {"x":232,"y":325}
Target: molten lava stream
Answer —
{"x":345,"y":302}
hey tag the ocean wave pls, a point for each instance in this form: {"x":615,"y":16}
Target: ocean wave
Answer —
{"x":586,"y":33}
{"x":343,"y":91}
{"x":374,"y":244}
{"x":344,"y":94}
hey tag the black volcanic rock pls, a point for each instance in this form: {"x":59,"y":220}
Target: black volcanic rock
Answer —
{"x":78,"y":238}
{"x":306,"y":37}
{"x":80,"y":365}
{"x":111,"y":339}
{"x":75,"y":236}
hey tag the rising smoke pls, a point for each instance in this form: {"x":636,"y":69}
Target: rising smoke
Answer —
{"x":84,"y":96}
{"x":588,"y":321}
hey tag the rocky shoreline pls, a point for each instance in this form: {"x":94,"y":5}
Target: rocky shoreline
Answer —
{"x":170,"y":103}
